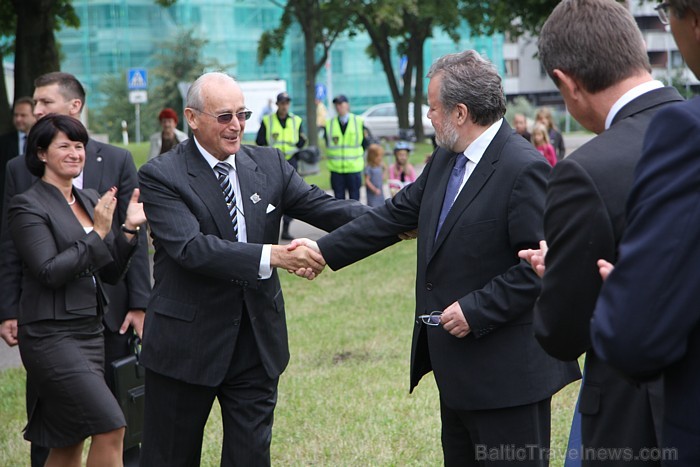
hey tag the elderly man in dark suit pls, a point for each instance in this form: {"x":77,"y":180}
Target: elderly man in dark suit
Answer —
{"x":12,"y":144}
{"x":647,"y":319}
{"x":478,"y":201}
{"x":595,"y":54}
{"x":105,"y":167}
{"x":216,"y":322}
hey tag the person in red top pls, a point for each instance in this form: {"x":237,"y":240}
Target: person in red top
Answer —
{"x":540,"y":139}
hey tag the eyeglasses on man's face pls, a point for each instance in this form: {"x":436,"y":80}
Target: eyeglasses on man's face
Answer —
{"x":431,"y":319}
{"x":663,"y":11}
{"x":226,"y":118}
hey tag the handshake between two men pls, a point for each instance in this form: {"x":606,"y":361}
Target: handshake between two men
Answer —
{"x":301,"y":257}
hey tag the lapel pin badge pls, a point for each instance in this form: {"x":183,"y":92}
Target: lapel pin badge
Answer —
{"x":99,"y":158}
{"x":255,"y":198}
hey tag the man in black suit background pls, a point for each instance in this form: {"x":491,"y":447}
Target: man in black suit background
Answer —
{"x":594,"y":52}
{"x":216,"y":323}
{"x":105,"y":166}
{"x":647,"y":319}
{"x":476,"y":204}
{"x":12,"y":143}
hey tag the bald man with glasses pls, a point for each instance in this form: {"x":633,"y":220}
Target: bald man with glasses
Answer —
{"x":216,"y":326}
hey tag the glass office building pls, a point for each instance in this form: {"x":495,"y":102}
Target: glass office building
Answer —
{"x":121,"y":34}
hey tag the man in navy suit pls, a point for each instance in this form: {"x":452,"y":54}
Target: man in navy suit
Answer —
{"x":595,"y":53}
{"x":647,"y":319}
{"x":477,"y":202}
{"x":216,"y":324}
{"x":105,"y":166}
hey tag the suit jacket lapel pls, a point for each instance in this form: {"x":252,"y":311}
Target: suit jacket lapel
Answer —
{"x":646,"y":101}
{"x":251,"y":182}
{"x":65,"y":224}
{"x":478,"y":178}
{"x":92,"y":172}
{"x":204,"y":183}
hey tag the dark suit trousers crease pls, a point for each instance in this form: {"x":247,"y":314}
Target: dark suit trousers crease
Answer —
{"x":509,"y":436}
{"x":176,"y":412}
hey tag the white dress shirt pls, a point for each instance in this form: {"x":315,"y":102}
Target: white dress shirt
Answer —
{"x":476,"y":150}
{"x":629,"y":96}
{"x":264,"y":270}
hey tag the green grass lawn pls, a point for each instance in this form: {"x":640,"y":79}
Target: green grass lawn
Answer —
{"x":343,"y":400}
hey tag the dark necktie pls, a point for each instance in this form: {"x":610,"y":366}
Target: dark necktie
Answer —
{"x":223,"y":169}
{"x":452,"y":189}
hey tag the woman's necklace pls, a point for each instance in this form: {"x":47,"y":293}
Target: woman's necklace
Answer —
{"x":72,"y":202}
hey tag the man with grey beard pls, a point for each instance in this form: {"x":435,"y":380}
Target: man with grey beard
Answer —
{"x":478,"y":201}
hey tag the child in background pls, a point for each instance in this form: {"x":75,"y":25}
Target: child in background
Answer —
{"x":401,"y":172}
{"x":540,"y":139}
{"x":374,"y":175}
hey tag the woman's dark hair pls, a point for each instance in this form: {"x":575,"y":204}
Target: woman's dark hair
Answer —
{"x":43,"y":133}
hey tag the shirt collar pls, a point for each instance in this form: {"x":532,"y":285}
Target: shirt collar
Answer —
{"x":211,"y":160}
{"x":629,"y":96}
{"x":476,"y":149}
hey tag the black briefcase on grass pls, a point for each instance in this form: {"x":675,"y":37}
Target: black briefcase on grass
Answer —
{"x":129,"y":391}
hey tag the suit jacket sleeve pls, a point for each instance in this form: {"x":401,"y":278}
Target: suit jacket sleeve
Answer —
{"x":377,"y":229}
{"x":510,"y":295}
{"x":31,"y":231}
{"x":578,"y":232}
{"x":649,"y":304}
{"x":138,"y":276}
{"x":10,"y":264}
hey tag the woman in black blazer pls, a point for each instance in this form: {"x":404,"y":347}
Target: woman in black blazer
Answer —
{"x":64,"y":238}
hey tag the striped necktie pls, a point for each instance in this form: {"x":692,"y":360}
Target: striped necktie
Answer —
{"x":222,"y":170}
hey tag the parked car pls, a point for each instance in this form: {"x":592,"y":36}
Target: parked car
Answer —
{"x":382,"y":122}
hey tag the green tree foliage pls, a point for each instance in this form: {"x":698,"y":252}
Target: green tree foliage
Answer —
{"x":321,"y":22}
{"x":515,"y":18}
{"x":178,"y":60}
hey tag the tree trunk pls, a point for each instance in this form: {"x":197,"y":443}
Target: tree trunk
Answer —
{"x":310,"y":69}
{"x":36,"y":51}
{"x":417,"y":48}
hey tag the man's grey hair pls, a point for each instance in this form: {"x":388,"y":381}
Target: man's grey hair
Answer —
{"x":469,"y":79}
{"x":194,"y":94}
{"x":597,"y":42}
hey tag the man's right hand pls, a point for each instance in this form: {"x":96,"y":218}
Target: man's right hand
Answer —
{"x":8,"y":331}
{"x":300,"y":260}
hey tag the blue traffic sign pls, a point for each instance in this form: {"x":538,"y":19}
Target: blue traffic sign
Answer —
{"x":137,"y":78}
{"x":320,"y":90}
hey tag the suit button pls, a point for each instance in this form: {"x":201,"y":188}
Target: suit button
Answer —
{"x":429,"y":286}
{"x":236,"y":322}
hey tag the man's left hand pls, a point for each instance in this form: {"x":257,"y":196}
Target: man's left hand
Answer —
{"x":454,"y":322}
{"x":135,"y":319}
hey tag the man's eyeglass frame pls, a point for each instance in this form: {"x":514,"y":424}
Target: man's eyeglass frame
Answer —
{"x":225,"y":118}
{"x":662,"y":10}
{"x":431,"y":319}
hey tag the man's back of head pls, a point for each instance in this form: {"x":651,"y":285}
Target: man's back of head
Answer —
{"x":597,"y":42}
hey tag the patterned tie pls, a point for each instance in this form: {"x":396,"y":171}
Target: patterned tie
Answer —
{"x":223,"y":169}
{"x":452,"y":189}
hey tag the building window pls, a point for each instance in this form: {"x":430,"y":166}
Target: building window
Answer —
{"x":512,"y":68}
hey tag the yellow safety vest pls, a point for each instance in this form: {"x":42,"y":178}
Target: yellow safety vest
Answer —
{"x":344,"y":151}
{"x":285,"y":139}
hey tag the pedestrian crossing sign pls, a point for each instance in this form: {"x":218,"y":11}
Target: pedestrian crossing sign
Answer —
{"x":137,"y":78}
